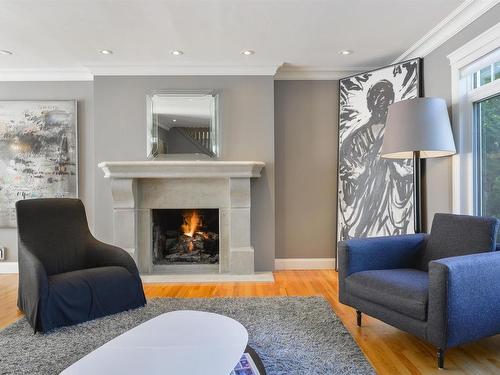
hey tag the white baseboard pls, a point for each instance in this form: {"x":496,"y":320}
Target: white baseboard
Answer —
{"x":304,"y":263}
{"x":279,"y":264}
{"x":265,"y":277}
{"x":8,"y":267}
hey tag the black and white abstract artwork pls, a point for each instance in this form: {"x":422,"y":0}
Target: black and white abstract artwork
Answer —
{"x":38,"y":153}
{"x":375,"y":195}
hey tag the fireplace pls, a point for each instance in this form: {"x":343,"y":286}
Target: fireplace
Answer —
{"x":166,"y":199}
{"x":185,"y":236}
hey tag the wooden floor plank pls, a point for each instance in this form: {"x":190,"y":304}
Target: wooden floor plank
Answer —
{"x":390,"y":350}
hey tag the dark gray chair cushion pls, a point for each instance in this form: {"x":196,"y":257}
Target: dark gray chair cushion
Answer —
{"x":82,"y":295}
{"x":403,"y":290}
{"x":456,"y":235}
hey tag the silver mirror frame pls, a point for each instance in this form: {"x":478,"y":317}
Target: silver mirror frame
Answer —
{"x":152,"y":125}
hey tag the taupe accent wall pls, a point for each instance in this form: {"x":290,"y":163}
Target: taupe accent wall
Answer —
{"x":247,"y":132}
{"x":306,"y":123}
{"x":437,"y":80}
{"x":306,"y":131}
{"x":81,"y":91}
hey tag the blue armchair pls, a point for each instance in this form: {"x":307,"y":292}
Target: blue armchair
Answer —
{"x":443,"y":287}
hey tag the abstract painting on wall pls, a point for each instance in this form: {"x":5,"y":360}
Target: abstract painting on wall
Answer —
{"x":375,"y":195}
{"x":38,"y":153}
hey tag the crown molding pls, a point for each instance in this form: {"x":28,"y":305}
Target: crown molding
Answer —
{"x":477,"y":47}
{"x":184,"y":70}
{"x":456,"y":21}
{"x":87,"y":73}
{"x":312,"y":73}
{"x":45,"y":75}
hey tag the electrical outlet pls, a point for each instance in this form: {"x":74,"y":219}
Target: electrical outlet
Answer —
{"x":3,"y":253}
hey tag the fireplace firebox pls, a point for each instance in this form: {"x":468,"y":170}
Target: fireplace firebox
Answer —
{"x":185,"y":236}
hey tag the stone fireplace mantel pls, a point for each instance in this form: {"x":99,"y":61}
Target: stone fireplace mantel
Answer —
{"x":181,"y":169}
{"x":138,"y":187}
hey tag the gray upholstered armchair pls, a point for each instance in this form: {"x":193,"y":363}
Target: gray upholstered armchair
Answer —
{"x":443,"y":287}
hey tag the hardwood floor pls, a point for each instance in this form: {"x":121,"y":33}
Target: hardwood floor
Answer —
{"x":389,"y":350}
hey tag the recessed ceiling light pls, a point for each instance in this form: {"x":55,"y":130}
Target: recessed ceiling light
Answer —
{"x":5,"y":52}
{"x":174,"y":120}
{"x":247,"y":52}
{"x":106,"y":52}
{"x":177,"y":52}
{"x":346,"y":52}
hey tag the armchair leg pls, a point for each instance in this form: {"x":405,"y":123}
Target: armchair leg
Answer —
{"x":358,"y":318}
{"x":440,"y":358}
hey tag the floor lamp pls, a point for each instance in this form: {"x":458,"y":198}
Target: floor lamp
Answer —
{"x":417,"y":129}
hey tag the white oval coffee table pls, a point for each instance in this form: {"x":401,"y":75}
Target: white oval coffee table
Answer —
{"x":175,"y":343}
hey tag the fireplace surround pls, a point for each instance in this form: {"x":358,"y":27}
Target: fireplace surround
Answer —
{"x":139,"y":188}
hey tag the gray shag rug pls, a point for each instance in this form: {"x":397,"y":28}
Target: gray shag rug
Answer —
{"x":292,"y":335}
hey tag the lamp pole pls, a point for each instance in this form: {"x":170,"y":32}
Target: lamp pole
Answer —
{"x":417,"y":191}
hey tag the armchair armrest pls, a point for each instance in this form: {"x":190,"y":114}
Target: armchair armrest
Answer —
{"x":464,"y":299}
{"x":33,"y":285}
{"x":100,"y":254}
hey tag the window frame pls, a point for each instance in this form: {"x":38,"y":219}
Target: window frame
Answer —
{"x":475,"y":99}
{"x":464,"y":198}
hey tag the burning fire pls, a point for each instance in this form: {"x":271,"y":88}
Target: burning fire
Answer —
{"x":192,"y":221}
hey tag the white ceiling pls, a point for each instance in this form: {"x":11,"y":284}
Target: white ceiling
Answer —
{"x":68,"y":34}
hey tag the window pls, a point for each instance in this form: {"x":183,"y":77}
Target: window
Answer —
{"x":486,"y":75}
{"x":487,"y":156}
{"x":483,"y":96}
{"x":475,"y":70}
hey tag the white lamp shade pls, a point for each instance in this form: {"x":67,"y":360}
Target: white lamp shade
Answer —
{"x":420,"y":124}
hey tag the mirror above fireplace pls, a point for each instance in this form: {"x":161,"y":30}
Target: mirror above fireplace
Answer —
{"x":182,"y":125}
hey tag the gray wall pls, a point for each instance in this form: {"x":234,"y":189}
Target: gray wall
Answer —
{"x":305,"y":142}
{"x":306,"y":130}
{"x":437,"y":79}
{"x":82,"y":91}
{"x":247,"y":123}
